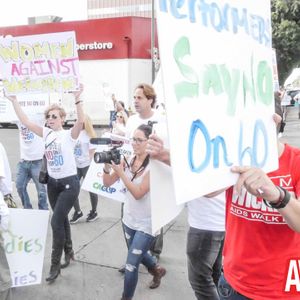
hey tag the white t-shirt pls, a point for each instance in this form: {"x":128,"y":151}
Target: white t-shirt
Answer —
{"x":135,"y":121}
{"x":119,"y":129}
{"x":137,"y":213}
{"x":207,"y":213}
{"x":5,"y":173}
{"x":31,"y":145}
{"x":59,"y":153}
{"x":81,"y":150}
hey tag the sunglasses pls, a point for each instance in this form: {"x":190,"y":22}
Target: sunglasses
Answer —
{"x":138,"y":141}
{"x":54,"y":117}
{"x":119,"y":116}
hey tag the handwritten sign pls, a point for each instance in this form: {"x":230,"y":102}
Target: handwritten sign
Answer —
{"x":25,"y":245}
{"x":39,"y":63}
{"x":218,"y":81}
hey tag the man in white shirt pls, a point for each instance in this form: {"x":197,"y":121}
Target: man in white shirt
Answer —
{"x":5,"y":183}
{"x":144,"y":104}
{"x":206,"y":234}
{"x":32,"y":150}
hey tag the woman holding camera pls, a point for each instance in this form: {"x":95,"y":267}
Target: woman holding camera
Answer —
{"x":137,"y":211}
{"x":63,"y":183}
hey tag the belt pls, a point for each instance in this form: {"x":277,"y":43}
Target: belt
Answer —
{"x":63,"y":178}
{"x":24,"y":160}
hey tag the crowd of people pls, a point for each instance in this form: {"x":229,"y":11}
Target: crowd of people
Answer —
{"x":229,"y":256}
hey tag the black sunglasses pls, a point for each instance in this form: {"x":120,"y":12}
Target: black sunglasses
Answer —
{"x":54,"y":117}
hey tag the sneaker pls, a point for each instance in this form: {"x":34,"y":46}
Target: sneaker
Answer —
{"x":122,"y":269}
{"x":76,"y":217}
{"x":92,"y":216}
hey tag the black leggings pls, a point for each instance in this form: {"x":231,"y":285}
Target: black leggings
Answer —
{"x":62,"y":194}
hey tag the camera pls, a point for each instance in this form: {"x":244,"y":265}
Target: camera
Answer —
{"x":109,"y":155}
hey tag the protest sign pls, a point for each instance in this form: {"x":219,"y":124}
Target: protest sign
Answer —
{"x":218,"y":82}
{"x":42,"y":63}
{"x":25,"y":245}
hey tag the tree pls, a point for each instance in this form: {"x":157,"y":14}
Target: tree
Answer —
{"x":286,"y":35}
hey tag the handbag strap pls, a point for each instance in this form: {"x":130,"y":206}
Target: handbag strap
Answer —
{"x":46,"y":146}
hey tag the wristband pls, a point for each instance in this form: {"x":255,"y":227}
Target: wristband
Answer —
{"x":283,"y":200}
{"x":105,"y":172}
{"x":78,"y":102}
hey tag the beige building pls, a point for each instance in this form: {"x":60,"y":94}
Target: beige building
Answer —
{"x":98,"y":9}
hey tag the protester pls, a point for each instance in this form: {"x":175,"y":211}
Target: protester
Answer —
{"x":5,"y":280}
{"x":84,"y":152}
{"x":144,"y":104}
{"x":119,"y":126}
{"x":32,"y":150}
{"x":137,"y":212}
{"x":120,"y":106}
{"x":205,"y":238}
{"x":63,"y":185}
{"x":267,"y":237}
{"x":262,"y":226}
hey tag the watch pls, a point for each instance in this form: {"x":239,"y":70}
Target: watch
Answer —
{"x":284,"y":199}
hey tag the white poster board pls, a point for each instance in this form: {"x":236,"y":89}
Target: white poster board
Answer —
{"x":25,"y":245}
{"x":42,"y":63}
{"x":218,"y":82}
{"x":163,"y":205}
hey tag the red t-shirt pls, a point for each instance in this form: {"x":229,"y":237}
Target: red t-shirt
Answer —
{"x":259,"y":244}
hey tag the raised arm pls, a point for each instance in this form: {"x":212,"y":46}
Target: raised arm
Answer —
{"x":80,"y":114}
{"x":35,"y":128}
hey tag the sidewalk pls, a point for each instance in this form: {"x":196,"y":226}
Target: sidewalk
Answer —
{"x":100,"y":251}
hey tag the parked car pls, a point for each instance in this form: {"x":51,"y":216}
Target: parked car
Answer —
{"x":290,"y":97}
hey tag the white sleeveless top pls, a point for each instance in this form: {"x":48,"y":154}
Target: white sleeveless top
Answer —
{"x":137,"y":213}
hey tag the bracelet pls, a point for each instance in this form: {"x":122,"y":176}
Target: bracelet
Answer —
{"x":105,"y":172}
{"x":282,"y":202}
{"x":78,"y":102}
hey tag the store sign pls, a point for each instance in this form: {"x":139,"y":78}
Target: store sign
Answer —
{"x":95,"y":46}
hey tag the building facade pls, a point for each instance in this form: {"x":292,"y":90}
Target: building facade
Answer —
{"x":114,"y":56}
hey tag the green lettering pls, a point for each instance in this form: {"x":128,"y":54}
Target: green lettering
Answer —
{"x":231,"y":85}
{"x":9,"y":53}
{"x":212,"y":80}
{"x":28,"y":246}
{"x":264,"y":82}
{"x":188,"y":88}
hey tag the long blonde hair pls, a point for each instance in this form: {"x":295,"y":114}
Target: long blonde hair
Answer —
{"x":88,"y":126}
{"x":124,"y":115}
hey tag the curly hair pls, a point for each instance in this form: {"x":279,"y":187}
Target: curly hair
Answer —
{"x":149,"y":92}
{"x":55,"y":106}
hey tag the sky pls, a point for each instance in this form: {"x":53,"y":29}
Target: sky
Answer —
{"x":16,"y":12}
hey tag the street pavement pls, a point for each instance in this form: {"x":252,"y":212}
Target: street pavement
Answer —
{"x":100,"y":249}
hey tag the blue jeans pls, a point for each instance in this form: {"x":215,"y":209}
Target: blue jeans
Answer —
{"x":226,"y":291}
{"x":112,"y":117}
{"x":27,"y":170}
{"x":138,"y":252}
{"x":204,"y":255}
